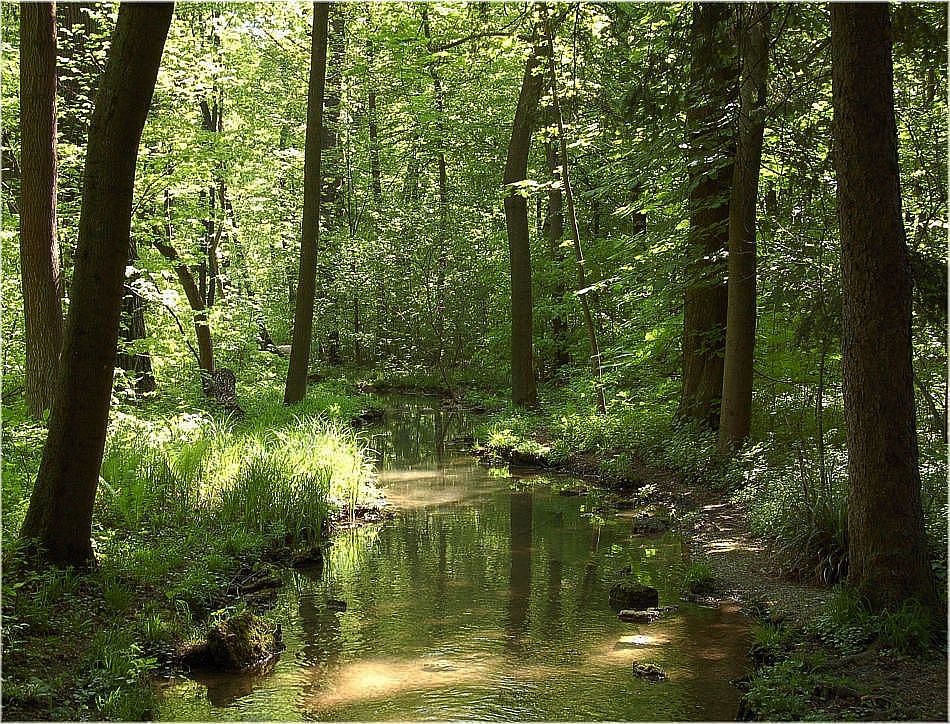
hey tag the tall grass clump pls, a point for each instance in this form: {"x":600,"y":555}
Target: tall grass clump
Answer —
{"x":195,"y":470}
{"x":800,"y":510}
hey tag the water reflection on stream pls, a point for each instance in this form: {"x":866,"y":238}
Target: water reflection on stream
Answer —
{"x":479,"y":601}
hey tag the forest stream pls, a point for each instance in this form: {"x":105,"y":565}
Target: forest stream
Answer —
{"x":485,"y":597}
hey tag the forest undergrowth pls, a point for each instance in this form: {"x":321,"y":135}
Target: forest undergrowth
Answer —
{"x":188,"y":497}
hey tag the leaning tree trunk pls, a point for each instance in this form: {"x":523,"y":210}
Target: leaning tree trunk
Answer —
{"x":886,"y":541}
{"x":553,"y":228}
{"x":296,"y":387}
{"x":39,"y":252}
{"x":523,"y":388}
{"x":60,"y":512}
{"x":735,"y":419}
{"x":582,"y":291}
{"x":713,"y":78}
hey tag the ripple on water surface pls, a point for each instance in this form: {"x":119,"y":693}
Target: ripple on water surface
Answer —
{"x":478,"y":602}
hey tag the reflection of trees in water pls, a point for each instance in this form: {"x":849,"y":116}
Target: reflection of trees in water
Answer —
{"x":555,"y":551}
{"x":519,"y":579}
{"x":419,"y":433}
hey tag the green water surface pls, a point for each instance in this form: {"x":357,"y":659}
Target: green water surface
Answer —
{"x":485,"y":598}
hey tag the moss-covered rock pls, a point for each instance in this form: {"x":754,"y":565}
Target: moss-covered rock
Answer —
{"x":236,"y":643}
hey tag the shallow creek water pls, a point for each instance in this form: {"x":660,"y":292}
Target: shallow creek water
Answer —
{"x":484,"y":598}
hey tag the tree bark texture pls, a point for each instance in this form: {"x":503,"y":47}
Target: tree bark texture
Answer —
{"x":60,"y":512}
{"x":39,"y":251}
{"x":736,"y":408}
{"x":523,"y":387}
{"x":887,"y":545}
{"x":296,"y":387}
{"x":713,"y":81}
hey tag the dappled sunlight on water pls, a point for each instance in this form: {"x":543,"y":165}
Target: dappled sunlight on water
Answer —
{"x":479,"y":601}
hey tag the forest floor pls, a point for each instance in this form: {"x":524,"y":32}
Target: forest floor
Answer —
{"x":809,"y":676}
{"x":875,"y":684}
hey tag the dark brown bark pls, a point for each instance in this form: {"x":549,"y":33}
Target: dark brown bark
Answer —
{"x":523,"y":388}
{"x":439,"y":93}
{"x":60,"y":512}
{"x":80,"y":40}
{"x":39,"y":251}
{"x":735,"y":420}
{"x":296,"y":387}
{"x":712,"y":92}
{"x":887,"y":545}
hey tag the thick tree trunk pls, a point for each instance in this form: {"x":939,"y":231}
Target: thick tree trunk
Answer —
{"x":713,"y":79}
{"x":523,"y":388}
{"x":60,"y":512}
{"x":887,"y":544}
{"x":736,"y":411}
{"x":296,"y":387}
{"x":39,"y":251}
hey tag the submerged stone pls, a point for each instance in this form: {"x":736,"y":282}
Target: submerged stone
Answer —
{"x":648,"y":671}
{"x":648,"y":615}
{"x":631,"y":594}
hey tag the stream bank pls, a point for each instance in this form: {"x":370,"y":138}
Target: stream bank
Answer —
{"x":808,"y":658}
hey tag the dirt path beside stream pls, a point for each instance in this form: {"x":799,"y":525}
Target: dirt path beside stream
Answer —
{"x":890,"y":686}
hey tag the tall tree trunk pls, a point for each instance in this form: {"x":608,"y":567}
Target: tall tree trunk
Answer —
{"x":439,"y":311}
{"x":39,"y":251}
{"x":60,"y":512}
{"x":582,"y":290}
{"x":296,"y":387}
{"x":713,"y":78}
{"x":523,"y":388}
{"x":736,"y":411}
{"x":886,"y":541}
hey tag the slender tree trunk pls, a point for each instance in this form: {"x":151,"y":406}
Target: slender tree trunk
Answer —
{"x":439,"y":93}
{"x":595,"y":358}
{"x":196,"y":299}
{"x":736,"y":411}
{"x":553,"y":228}
{"x":713,"y":80}
{"x":886,"y":541}
{"x":39,"y":251}
{"x":296,"y":387}
{"x":523,"y":388}
{"x":132,"y":329}
{"x":60,"y":512}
